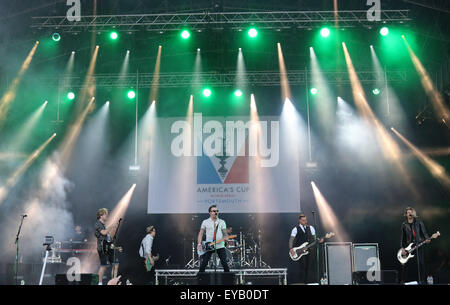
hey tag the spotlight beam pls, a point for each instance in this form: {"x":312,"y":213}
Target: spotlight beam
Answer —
{"x":10,"y":94}
{"x":437,"y":170}
{"x":83,"y":110}
{"x":155,"y":82}
{"x":285,"y":89}
{"x":441,"y":110}
{"x":72,"y":135}
{"x":324,"y":107}
{"x":12,"y":181}
{"x":124,"y":68}
{"x":197,"y":70}
{"x":327,"y":215}
{"x":390,"y":149}
{"x":241,"y":77}
{"x":121,"y":207}
{"x":26,"y":130}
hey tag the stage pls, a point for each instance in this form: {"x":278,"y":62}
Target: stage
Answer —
{"x":274,"y":129}
{"x":243,"y":276}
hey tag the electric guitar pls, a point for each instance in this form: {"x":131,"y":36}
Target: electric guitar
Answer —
{"x":148,"y":264}
{"x":109,"y":247}
{"x":302,"y":250}
{"x":209,"y":246}
{"x":411,"y":247}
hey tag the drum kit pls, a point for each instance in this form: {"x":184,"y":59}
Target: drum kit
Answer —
{"x":244,"y":252}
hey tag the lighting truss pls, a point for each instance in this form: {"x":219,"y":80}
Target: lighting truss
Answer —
{"x":215,"y":79}
{"x":216,"y":20}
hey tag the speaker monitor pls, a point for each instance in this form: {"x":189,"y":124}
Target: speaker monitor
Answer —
{"x":338,"y":263}
{"x":85,"y":279}
{"x":366,"y":257}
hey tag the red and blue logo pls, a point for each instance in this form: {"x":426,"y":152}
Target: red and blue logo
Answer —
{"x":223,"y":169}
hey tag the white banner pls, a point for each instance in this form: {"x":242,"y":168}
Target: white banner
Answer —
{"x":242,"y":166}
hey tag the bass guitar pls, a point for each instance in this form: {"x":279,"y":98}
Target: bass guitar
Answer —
{"x":302,"y":250}
{"x":209,"y":246}
{"x":148,"y":264}
{"x":411,"y":247}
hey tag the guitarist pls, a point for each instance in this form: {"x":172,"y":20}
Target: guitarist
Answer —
{"x":145,"y":251}
{"x":103,"y":234}
{"x":215,"y":229}
{"x":413,"y":231}
{"x":299,"y":235}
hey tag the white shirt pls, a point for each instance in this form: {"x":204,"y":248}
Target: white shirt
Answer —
{"x":208,"y":226}
{"x":146,"y":244}
{"x":294,"y":230}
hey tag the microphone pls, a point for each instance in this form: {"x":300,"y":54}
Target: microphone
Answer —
{"x":24,"y":215}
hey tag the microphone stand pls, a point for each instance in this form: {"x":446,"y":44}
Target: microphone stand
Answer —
{"x":317,"y":247}
{"x":16,"y":262}
{"x":417,"y":253}
{"x":114,"y":243}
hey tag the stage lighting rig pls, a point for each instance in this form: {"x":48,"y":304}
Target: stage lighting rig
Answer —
{"x":56,"y":37}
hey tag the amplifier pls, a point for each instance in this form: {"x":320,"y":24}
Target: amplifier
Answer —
{"x":366,"y":257}
{"x":339,"y":263}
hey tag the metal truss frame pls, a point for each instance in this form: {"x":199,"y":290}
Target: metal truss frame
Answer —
{"x":241,"y":273}
{"x":216,"y":20}
{"x":215,"y":79}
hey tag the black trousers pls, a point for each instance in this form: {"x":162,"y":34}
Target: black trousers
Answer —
{"x":409,"y":270}
{"x":204,"y":259}
{"x":303,"y":268}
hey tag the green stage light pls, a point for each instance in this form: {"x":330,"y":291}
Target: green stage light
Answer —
{"x":384,"y":31}
{"x":252,"y":33}
{"x":325,"y":32}
{"x":185,"y":34}
{"x":238,"y":93}
{"x":206,"y":92}
{"x":56,"y":37}
{"x":314,"y":91}
{"x":114,"y":35}
{"x":71,"y":96}
{"x":376,"y":91}
{"x":131,"y":94}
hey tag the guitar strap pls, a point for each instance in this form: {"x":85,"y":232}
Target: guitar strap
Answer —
{"x":215,"y":230}
{"x":142,"y":246}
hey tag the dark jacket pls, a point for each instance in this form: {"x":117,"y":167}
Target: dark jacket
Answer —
{"x":407,"y":235}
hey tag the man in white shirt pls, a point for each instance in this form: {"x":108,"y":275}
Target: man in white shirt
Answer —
{"x":215,"y":229}
{"x":145,"y":250}
{"x":299,"y":235}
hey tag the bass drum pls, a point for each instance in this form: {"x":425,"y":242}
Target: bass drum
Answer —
{"x":232,"y":244}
